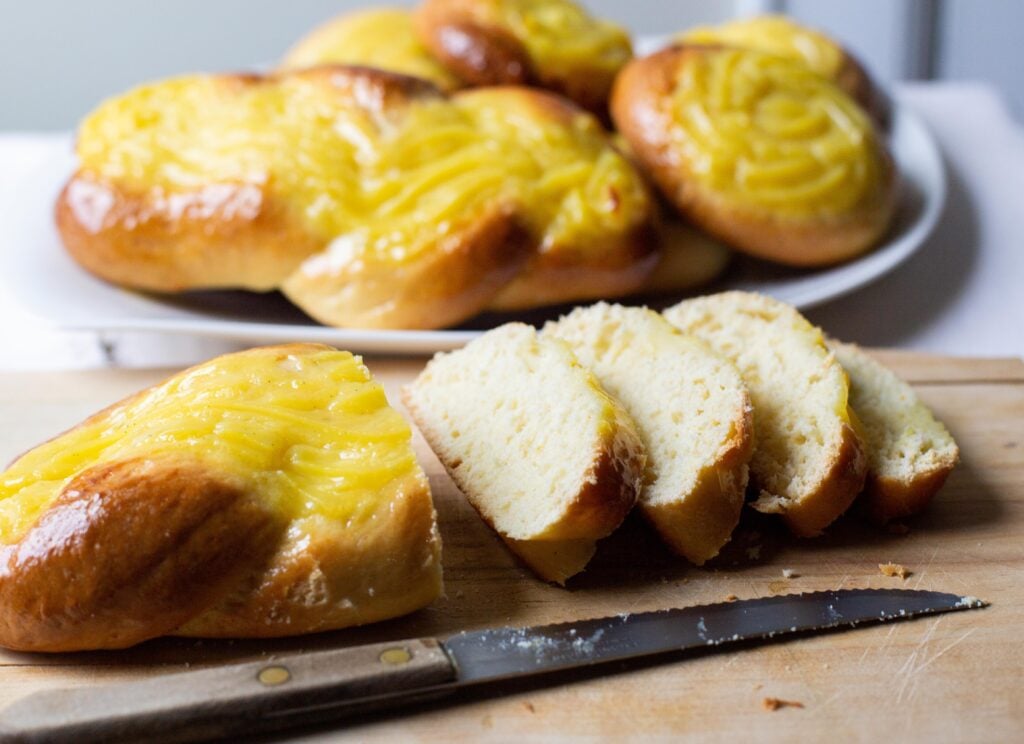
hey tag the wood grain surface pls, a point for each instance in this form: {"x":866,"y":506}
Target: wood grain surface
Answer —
{"x":952,"y":678}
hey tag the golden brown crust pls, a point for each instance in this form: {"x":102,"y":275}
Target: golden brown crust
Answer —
{"x":557,"y":276}
{"x":147,"y":544}
{"x":483,"y":52}
{"x":454,"y":280}
{"x":478,"y":54}
{"x":556,"y":561}
{"x":886,"y":499}
{"x":698,"y":526}
{"x":610,"y":487}
{"x":229,"y":236}
{"x":837,"y":489}
{"x":325,"y":577}
{"x":639,"y":111}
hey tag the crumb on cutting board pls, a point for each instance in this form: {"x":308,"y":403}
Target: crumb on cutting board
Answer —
{"x":893,"y":569}
{"x":789,"y":573}
{"x":731,"y":598}
{"x":772,"y":703}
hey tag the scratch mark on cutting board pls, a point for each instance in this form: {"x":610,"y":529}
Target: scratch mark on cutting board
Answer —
{"x":830,"y":699}
{"x":928,"y":565}
{"x":917,"y":674}
{"x":869,"y":648}
{"x":912,"y":669}
{"x":957,"y":579}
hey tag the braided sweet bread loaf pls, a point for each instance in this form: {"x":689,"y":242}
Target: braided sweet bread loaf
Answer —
{"x":370,"y":199}
{"x":266,"y":493}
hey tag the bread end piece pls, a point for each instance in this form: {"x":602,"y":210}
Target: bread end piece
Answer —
{"x":910,"y":453}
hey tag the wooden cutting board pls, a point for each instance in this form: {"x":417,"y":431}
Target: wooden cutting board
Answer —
{"x":955,"y":677}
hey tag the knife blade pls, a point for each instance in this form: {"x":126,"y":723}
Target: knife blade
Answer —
{"x":323,"y":685}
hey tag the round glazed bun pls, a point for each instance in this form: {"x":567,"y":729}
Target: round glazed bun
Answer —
{"x":758,"y":151}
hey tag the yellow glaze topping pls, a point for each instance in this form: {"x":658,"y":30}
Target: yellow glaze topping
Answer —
{"x":381,"y":37}
{"x":763,"y":130}
{"x":777,"y":35}
{"x":392,"y":181}
{"x":311,"y":432}
{"x":561,"y":37}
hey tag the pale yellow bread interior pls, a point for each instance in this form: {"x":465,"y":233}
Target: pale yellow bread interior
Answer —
{"x":910,"y":453}
{"x":541,"y":451}
{"x":692,"y":411}
{"x":809,"y":463}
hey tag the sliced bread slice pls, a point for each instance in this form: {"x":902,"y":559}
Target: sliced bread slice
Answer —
{"x":541,"y":451}
{"x":693,"y":415}
{"x":809,"y":462}
{"x":910,"y":453}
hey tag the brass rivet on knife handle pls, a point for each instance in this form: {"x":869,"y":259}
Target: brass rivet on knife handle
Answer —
{"x":396,"y":656}
{"x":272,"y":676}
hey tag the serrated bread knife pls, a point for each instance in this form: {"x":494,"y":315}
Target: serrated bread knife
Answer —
{"x":321,"y":685}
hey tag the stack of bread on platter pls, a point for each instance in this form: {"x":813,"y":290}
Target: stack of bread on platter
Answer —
{"x":414,"y":168}
{"x":275,"y":492}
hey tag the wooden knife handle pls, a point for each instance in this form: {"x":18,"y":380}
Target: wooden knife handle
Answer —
{"x":237,"y":698}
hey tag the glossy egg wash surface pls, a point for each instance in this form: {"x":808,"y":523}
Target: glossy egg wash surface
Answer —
{"x":311,"y":433}
{"x":765,"y":131}
{"x":391,"y":177}
{"x":381,"y":37}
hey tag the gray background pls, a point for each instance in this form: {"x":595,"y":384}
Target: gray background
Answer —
{"x":58,"y":58}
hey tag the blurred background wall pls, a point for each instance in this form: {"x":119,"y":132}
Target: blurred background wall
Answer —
{"x":58,"y":58}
